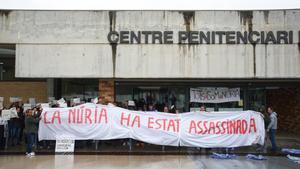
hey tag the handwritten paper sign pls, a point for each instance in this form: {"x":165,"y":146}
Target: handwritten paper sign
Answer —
{"x":214,"y":95}
{"x":64,"y":146}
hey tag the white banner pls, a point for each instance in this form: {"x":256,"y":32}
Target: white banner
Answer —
{"x":222,"y":129}
{"x":196,"y":129}
{"x":214,"y":95}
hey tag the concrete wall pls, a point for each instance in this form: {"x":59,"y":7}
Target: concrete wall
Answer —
{"x":63,"y":60}
{"x":74,"y":44}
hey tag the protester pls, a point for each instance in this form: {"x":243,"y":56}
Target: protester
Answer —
{"x":14,"y":125}
{"x":203,"y":108}
{"x":35,"y":115}
{"x":19,"y":125}
{"x":31,"y":129}
{"x":151,"y":107}
{"x":44,"y":143}
{"x":21,"y":115}
{"x":130,"y":106}
{"x":166,"y":109}
{"x":3,"y":124}
{"x":272,"y":127}
{"x":262,"y":148}
{"x":173,"y":109}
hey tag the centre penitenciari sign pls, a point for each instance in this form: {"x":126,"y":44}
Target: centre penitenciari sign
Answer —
{"x":202,"y":37}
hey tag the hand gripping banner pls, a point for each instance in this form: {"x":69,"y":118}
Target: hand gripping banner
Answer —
{"x":194,"y":129}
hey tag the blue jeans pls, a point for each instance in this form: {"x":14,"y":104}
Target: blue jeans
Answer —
{"x":273,"y":139}
{"x":30,"y":140}
{"x":14,"y":134}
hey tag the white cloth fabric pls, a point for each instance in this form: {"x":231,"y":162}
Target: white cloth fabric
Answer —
{"x":100,"y":122}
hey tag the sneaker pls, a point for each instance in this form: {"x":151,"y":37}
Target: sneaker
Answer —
{"x":32,"y":154}
{"x":28,"y":154}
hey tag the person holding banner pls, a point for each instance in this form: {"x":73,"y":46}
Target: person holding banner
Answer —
{"x":202,"y":108}
{"x":166,"y":109}
{"x":151,"y":107}
{"x":31,"y":130}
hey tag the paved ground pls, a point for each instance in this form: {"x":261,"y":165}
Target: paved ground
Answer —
{"x":114,"y":147}
{"x":138,"y":162}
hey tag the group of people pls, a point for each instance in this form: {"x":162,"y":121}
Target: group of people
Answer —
{"x":271,"y":126}
{"x":27,"y":122}
{"x":12,"y":129}
{"x":144,"y":106}
{"x":21,"y":128}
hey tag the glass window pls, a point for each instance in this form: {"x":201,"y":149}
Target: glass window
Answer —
{"x":157,"y":95}
{"x":85,"y":89}
{"x":256,"y":99}
{"x":7,"y":62}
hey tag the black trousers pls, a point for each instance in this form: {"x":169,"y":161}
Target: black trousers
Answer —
{"x":2,"y":140}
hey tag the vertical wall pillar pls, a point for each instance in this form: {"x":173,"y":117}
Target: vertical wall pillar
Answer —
{"x":106,"y":91}
{"x":50,"y":88}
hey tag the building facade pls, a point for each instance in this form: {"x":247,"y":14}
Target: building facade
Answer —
{"x":154,"y":57}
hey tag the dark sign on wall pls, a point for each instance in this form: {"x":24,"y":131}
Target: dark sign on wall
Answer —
{"x":201,"y":37}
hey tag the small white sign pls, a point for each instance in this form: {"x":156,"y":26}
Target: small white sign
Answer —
{"x":131,"y":103}
{"x":6,"y":114}
{"x":76,"y":100}
{"x":230,"y":109}
{"x":95,"y":100}
{"x":3,"y":121}
{"x":15,"y":99}
{"x":50,"y":99}
{"x":63,"y":105}
{"x":64,"y":146}
{"x":13,"y":113}
{"x":62,"y":100}
{"x":45,"y":105}
{"x":197,"y":109}
{"x":32,"y":101}
{"x":26,"y":107}
{"x":1,"y":102}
